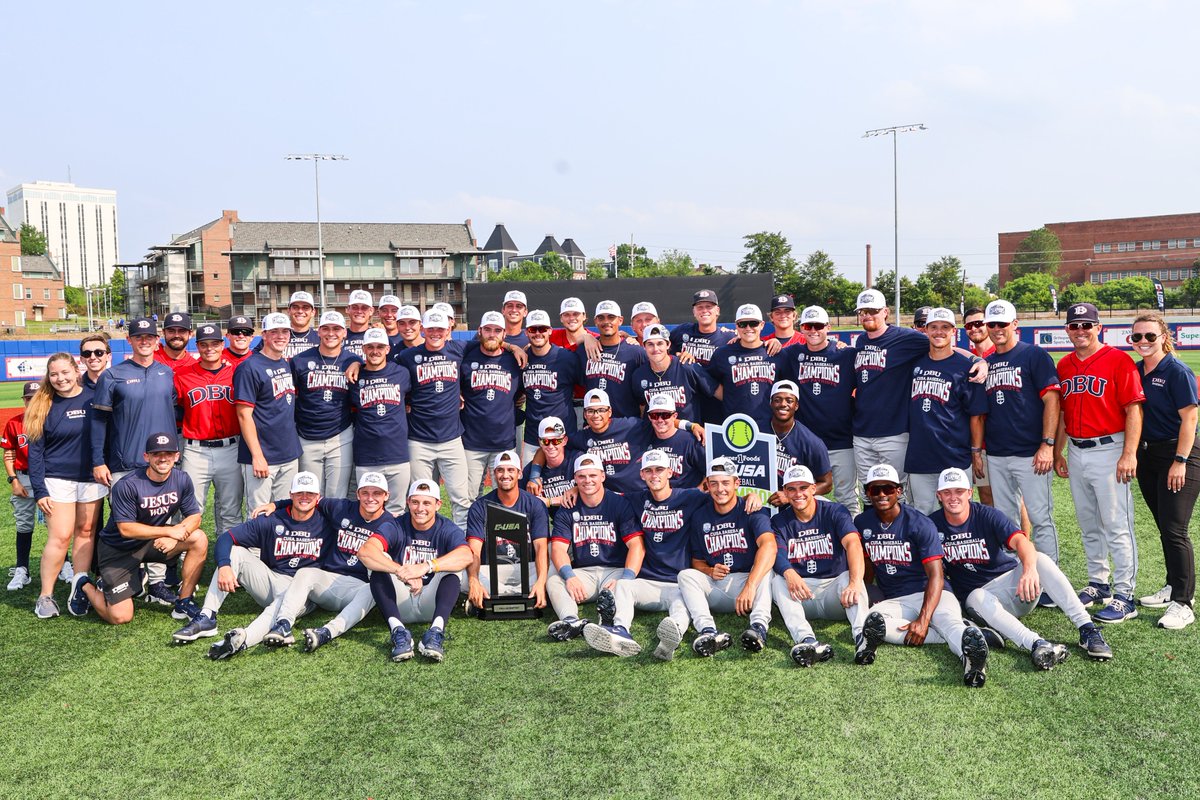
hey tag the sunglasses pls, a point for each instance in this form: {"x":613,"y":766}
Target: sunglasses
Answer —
{"x":602,"y":410}
{"x":994,"y":325}
{"x":1080,"y":326}
{"x":869,"y":312}
{"x":103,"y":353}
{"x":748,"y":323}
{"x":1149,"y":337}
{"x":876,"y":491}
{"x":241,"y":333}
{"x":660,"y":415}
{"x":813,"y":326}
{"x":537,"y":329}
{"x":554,"y":442}
{"x":973,"y":325}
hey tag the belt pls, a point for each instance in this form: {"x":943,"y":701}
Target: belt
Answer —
{"x":1148,"y":445}
{"x":21,"y":471}
{"x":213,"y":442}
{"x":1084,"y":444}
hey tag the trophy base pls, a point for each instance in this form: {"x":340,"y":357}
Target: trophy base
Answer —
{"x":513,"y":607}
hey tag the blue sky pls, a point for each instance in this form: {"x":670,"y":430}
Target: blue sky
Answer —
{"x":685,"y":125}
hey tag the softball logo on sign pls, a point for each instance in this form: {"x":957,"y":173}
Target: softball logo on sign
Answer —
{"x":754,"y":453}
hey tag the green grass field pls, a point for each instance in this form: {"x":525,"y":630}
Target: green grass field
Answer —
{"x":93,"y":710}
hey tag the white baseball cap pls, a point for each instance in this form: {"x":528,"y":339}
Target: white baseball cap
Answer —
{"x":608,"y":307}
{"x":424,"y":489}
{"x":940,"y":315}
{"x":389,"y":300}
{"x":595,"y":398}
{"x":492,"y":318}
{"x":786,"y":387}
{"x":375,"y":336}
{"x":660,"y":402}
{"x":538,"y":319}
{"x":749,"y":311}
{"x":275,"y":321}
{"x":508,"y":458}
{"x":872,"y":299}
{"x":361,"y":296}
{"x":882,"y":473}
{"x":435,"y":319}
{"x":551,"y":427}
{"x":408,"y":312}
{"x":332,"y":318}
{"x":572,"y":304}
{"x":656,"y":331}
{"x":722,"y":466}
{"x":643,"y":308}
{"x":954,"y":478}
{"x":655,"y":458}
{"x":798,"y":473}
{"x":588,"y":461}
{"x":302,"y":297}
{"x":516,"y":297}
{"x":373,"y":480}
{"x":814,"y":314}
{"x":305,"y":482}
{"x":1000,"y":311}
{"x":446,"y":309}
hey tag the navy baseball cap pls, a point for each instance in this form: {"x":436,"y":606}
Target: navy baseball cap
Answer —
{"x":178,"y":319}
{"x":240,"y":323}
{"x":921,"y":316}
{"x":31,"y":389}
{"x":783,"y":301}
{"x":162,"y":443}
{"x":143,"y":326}
{"x":705,"y":296}
{"x":209,"y":333}
{"x":1083,"y":312}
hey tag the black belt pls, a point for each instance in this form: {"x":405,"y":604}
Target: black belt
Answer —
{"x":1084,"y":444}
{"x":21,"y":471}
{"x":213,"y":442}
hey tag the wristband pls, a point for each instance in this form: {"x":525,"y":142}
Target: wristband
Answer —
{"x":685,"y":424}
{"x":535,"y":472}
{"x":627,"y":575}
{"x":976,"y":449}
{"x":565,"y":572}
{"x":1048,"y":442}
{"x":432,"y":566}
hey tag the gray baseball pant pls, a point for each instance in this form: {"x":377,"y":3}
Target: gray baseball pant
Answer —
{"x":997,"y":604}
{"x":1014,"y":480}
{"x":826,"y":603}
{"x":644,"y":594}
{"x":509,"y":576}
{"x":24,"y":508}
{"x":264,"y":586}
{"x":216,"y":467}
{"x":349,"y":596}
{"x":845,"y":479}
{"x":946,"y":626}
{"x":447,"y":461}
{"x":922,"y":492}
{"x":331,"y":460}
{"x":1104,"y":508}
{"x":872,"y":450}
{"x":398,"y":477}
{"x":702,"y":596}
{"x":276,"y":486}
{"x":528,"y":451}
{"x":593,"y":579}
{"x":416,"y":607}
{"x":478,"y":464}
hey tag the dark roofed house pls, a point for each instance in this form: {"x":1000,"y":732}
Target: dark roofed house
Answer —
{"x":500,"y":249}
{"x":568,"y":251}
{"x":575,"y":257}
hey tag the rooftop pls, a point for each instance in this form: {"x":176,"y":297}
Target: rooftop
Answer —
{"x":351,"y":237}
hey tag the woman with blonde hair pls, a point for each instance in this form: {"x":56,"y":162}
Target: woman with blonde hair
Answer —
{"x":57,"y":425}
{"x":1168,"y":465}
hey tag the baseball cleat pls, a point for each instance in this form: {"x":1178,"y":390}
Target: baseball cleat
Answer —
{"x":233,"y":643}
{"x":974,"y":657}
{"x":1092,"y":640}
{"x":158,"y":592}
{"x":993,"y":638}
{"x":67,"y":572}
{"x":1177,"y":617}
{"x":1048,"y":655}
{"x":201,"y":626}
{"x":402,"y":647}
{"x":1095,"y":594}
{"x":606,"y":607}
{"x":280,"y":635}
{"x":873,"y":633}
{"x":185,"y":608}
{"x":45,"y":607}
{"x":754,"y":638}
{"x":710,"y":642}
{"x":810,"y":651}
{"x":20,"y":578}
{"x":1119,"y":609}
{"x":316,"y":637}
{"x":77,"y":602}
{"x":566,"y":629}
{"x":470,"y":610}
{"x":1160,"y":599}
{"x":611,"y":639}
{"x":1045,"y":601}
{"x":669,"y":637}
{"x":432,"y":645}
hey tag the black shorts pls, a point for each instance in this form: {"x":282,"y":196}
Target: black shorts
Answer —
{"x":120,"y":569}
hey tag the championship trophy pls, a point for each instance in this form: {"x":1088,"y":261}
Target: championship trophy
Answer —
{"x":511,"y":527}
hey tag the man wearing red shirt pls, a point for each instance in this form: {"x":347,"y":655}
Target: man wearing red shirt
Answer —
{"x":172,"y":350}
{"x":783,"y":318}
{"x":240,"y":331}
{"x":976,"y":330}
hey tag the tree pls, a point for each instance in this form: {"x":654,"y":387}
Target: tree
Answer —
{"x":531,"y":271}
{"x":597,"y":269}
{"x":76,"y":300}
{"x":33,"y":241}
{"x":843,"y":295}
{"x":814,"y":280}
{"x":1029,"y":291}
{"x":1078,"y":293}
{"x":945,"y":279}
{"x":1190,"y":292}
{"x":1127,"y":293}
{"x":976,"y":297}
{"x":886,"y":283}
{"x":676,"y":263}
{"x":993,"y":284}
{"x":770,"y":253}
{"x":118,"y":290}
{"x":1039,"y":252}
{"x":641,"y":263}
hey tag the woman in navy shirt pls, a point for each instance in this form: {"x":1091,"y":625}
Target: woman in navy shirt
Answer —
{"x":1168,"y":465}
{"x":57,"y":424}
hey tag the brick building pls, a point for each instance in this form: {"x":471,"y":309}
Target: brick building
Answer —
{"x":37,"y":289}
{"x":1164,"y":247}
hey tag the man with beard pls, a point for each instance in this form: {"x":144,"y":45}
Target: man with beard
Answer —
{"x":381,"y":424}
{"x":323,"y":418}
{"x":177,"y":332}
{"x":491,"y":388}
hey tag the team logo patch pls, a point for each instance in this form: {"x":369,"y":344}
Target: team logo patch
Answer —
{"x":866,"y":534}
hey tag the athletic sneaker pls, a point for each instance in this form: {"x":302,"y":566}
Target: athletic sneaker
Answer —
{"x":993,"y":638}
{"x":564,"y":629}
{"x":1119,"y":609}
{"x":974,"y":657}
{"x":873,"y":633}
{"x":402,"y":648}
{"x":280,"y":635}
{"x":1177,"y":617}
{"x":1046,"y":602}
{"x":45,"y":607}
{"x":754,"y":638}
{"x":669,"y":637}
{"x":710,"y":642}
{"x":611,"y":639}
{"x":316,"y":637}
{"x":810,"y":651}
{"x":20,"y":578}
{"x":185,"y":608}
{"x":606,"y":607}
{"x":158,"y":592}
{"x":1091,"y":640}
{"x":1095,"y":593}
{"x":201,"y":626}
{"x":233,"y":643}
{"x":1048,"y":655}
{"x":432,"y":644}
{"x":67,"y":572}
{"x":77,"y":602}
{"x":1160,"y":599}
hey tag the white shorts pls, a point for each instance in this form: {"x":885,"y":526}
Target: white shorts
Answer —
{"x":62,"y":490}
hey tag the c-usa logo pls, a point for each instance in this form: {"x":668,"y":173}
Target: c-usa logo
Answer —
{"x":345,"y":523}
{"x":279,"y":530}
{"x":312,"y":365}
{"x":685,"y":337}
{"x":575,"y":516}
{"x":418,"y":358}
{"x":866,"y":534}
{"x":707,"y":527}
{"x":733,"y":359}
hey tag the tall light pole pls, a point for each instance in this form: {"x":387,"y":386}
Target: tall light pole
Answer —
{"x":897,"y":129}
{"x":317,"y":158}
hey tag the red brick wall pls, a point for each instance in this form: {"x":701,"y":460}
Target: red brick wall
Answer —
{"x":214,"y":242}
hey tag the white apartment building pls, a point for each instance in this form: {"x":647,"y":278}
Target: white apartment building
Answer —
{"x":80,"y":227}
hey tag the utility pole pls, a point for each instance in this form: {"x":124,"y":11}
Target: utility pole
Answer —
{"x":897,"y":129}
{"x":317,"y":158}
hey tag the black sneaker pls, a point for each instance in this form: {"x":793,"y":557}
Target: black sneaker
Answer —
{"x":974,"y":657}
{"x":1048,"y":655}
{"x":316,"y":637}
{"x":280,"y":635}
{"x":993,"y":638}
{"x":606,"y":607}
{"x":810,"y":651}
{"x":754,"y":638}
{"x":710,"y":642}
{"x":233,"y":643}
{"x":566,"y":629}
{"x":873,"y":633}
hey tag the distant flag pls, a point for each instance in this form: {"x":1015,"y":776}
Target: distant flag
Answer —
{"x":1159,"y":295}
{"x":1054,"y":297}
{"x":612,"y":251}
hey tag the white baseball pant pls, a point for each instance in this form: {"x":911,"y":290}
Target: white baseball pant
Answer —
{"x":872,"y":450}
{"x":997,"y":604}
{"x":342,"y":593}
{"x":702,"y":596}
{"x":1014,"y":480}
{"x":826,"y":603}
{"x":264,"y":586}
{"x":946,"y":626}
{"x":644,"y":594}
{"x":479,"y":462}
{"x":922,"y":492}
{"x":216,"y":467}
{"x":509,"y":576}
{"x":1104,"y":509}
{"x":845,"y":479}
{"x":331,"y":460}
{"x":448,"y":462}
{"x":593,"y":579}
{"x":276,"y":486}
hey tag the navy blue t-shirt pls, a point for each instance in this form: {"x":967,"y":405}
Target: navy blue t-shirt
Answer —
{"x":556,"y":481}
{"x":1016,"y":382}
{"x":977,"y":552}
{"x":285,"y":544}
{"x":298,"y":343}
{"x":688,"y":464}
{"x":351,"y":532}
{"x":520,"y":339}
{"x":137,"y":401}
{"x":883,"y":372}
{"x":801,"y":446}
{"x":381,"y":424}
{"x":683,"y":383}
{"x":730,"y":539}
{"x":407,"y":545}
{"x":1169,"y":387}
{"x":549,"y":382}
{"x":435,"y":397}
{"x":322,"y":393}
{"x":613,"y":372}
{"x":136,"y":498}
{"x":597,"y":535}
{"x":620,"y":447}
{"x":687,"y":338}
{"x":506,"y":551}
{"x":746,"y":376}
{"x":490,"y":385}
{"x":826,"y":381}
{"x":353,"y":343}
{"x":65,"y":447}
{"x":665,"y":532}
{"x":266,"y":384}
{"x":899,"y":552}
{"x":939,"y":415}
{"x":814,"y":548}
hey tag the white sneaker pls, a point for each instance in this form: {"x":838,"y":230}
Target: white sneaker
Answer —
{"x":20,"y":578}
{"x":66,"y":573}
{"x":1160,"y":599}
{"x":1177,"y":617}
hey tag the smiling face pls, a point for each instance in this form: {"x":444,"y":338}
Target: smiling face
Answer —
{"x":784,"y":318}
{"x":423,"y":510}
{"x":387,"y":315}
{"x":883,"y":495}
{"x":436,"y":337}
{"x":640,"y":321}
{"x":816,"y":334}
{"x":143,"y":345}
{"x":410,"y":330}
{"x":663,"y":423}
{"x":571,"y":320}
{"x":800,"y":495}
{"x":239,"y":340}
{"x":597,"y":417}
{"x":941,"y":335}
{"x":657,"y":478}
{"x":1003,"y":334}
{"x":609,"y":325}
{"x":360,"y":314}
{"x":371,"y":500}
{"x":210,"y":352}
{"x":375,"y":355}
{"x":706,"y":314}
{"x":1084,"y":336}
{"x":976,"y":330}
{"x":590,"y":482}
{"x":957,"y":502}
{"x":274,"y":341}
{"x":723,"y":489}
{"x":748,"y":332}
{"x":63,"y":375}
{"x":161,"y":464}
{"x":514,"y":312}
{"x":176,"y":339}
{"x":305,"y":502}
{"x":491,"y":337}
{"x":539,"y":335}
{"x":332,"y":336}
{"x":783,"y":406}
{"x":1146,"y":348}
{"x":505,"y":477}
{"x":873,"y":319}
{"x":301,"y":315}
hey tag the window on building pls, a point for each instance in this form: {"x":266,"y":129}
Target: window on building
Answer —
{"x":45,"y":294}
{"x":370,"y":262}
{"x":431,"y":266}
{"x":409,"y":266}
{"x":1171,"y":243}
{"x":29,"y":294}
{"x":1146,"y":245}
{"x":1095,"y":277}
{"x":1156,"y":244}
{"x":16,"y":263}
{"x":20,"y":319}
{"x":1174,"y":275}
{"x":18,"y":291}
{"x":62,"y":297}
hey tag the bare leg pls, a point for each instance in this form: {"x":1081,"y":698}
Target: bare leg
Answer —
{"x":86,"y":515}
{"x":60,"y":523}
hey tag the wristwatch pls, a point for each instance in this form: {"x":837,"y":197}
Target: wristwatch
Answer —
{"x":1180,"y":459}
{"x":1048,"y":442}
